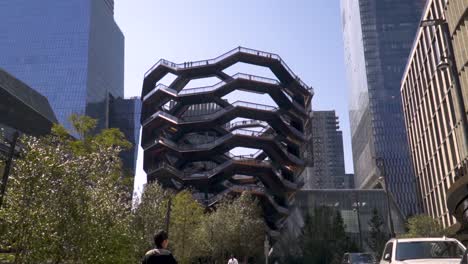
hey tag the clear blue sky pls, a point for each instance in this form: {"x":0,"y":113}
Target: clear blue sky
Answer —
{"x":305,"y":33}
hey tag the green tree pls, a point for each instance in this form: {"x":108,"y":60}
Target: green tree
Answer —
{"x":236,"y":226}
{"x":316,"y":238}
{"x":66,"y":202}
{"x":150,"y":216}
{"x":378,"y":237}
{"x":248,"y":228}
{"x":186,"y":217}
{"x":423,"y":226}
{"x":324,"y":239}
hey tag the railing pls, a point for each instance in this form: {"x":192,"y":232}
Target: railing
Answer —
{"x":255,"y":106}
{"x":255,"y":78}
{"x":159,"y":86}
{"x":235,"y":104}
{"x":204,"y":145}
{"x":209,"y":172}
{"x":242,"y":123}
{"x":193,"y":64}
{"x":208,"y":145}
{"x":253,"y":133}
{"x":203,"y":89}
{"x":182,"y":174}
{"x":247,"y":159}
{"x":203,"y":117}
{"x":168,"y":107}
{"x":230,"y":186}
{"x":216,"y":86}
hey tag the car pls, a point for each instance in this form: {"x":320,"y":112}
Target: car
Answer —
{"x":359,"y":258}
{"x":423,"y":250}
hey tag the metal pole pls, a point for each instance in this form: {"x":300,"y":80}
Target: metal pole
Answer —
{"x":359,"y":221}
{"x":168,"y":215}
{"x":387,"y":193}
{"x":456,"y":81}
{"x":6,"y":172}
{"x":389,"y":209}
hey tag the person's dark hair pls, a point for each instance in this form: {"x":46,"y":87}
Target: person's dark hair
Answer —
{"x":159,"y":238}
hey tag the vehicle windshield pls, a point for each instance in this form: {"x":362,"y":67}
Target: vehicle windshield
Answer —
{"x":428,"y":250}
{"x":364,"y":258}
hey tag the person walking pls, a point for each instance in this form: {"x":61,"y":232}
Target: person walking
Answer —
{"x":233,"y":260}
{"x":160,"y":255}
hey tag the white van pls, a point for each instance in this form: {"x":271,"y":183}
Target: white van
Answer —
{"x":423,"y":250}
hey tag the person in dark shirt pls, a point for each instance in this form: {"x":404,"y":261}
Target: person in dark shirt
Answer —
{"x":159,"y":255}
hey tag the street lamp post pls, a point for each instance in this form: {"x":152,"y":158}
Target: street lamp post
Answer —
{"x":381,"y":165}
{"x":449,"y":61}
{"x":356,"y":209}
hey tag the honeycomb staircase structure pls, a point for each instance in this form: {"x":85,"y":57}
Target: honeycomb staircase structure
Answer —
{"x":184,"y":148}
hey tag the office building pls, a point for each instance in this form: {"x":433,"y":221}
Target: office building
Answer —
{"x":328,"y":169}
{"x":348,"y":181}
{"x":22,"y":110}
{"x":431,"y":105}
{"x":125,"y":115}
{"x":377,"y":41}
{"x":72,"y":52}
{"x":456,"y":13}
{"x":190,"y":135}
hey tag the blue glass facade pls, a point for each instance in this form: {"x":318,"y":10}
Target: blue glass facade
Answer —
{"x":125,"y":115}
{"x":70,"y":51}
{"x":378,"y":36}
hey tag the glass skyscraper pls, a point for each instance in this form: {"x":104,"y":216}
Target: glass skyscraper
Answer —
{"x":125,"y":115}
{"x":378,"y":36}
{"x":70,"y":51}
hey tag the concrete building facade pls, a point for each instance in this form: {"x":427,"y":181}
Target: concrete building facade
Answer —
{"x":328,"y":168}
{"x":432,"y":101}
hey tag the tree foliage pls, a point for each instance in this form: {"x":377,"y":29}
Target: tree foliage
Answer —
{"x":150,"y":215}
{"x":66,"y":202}
{"x":234,"y":227}
{"x":324,"y":239}
{"x":377,"y":237}
{"x":187,"y":214}
{"x":423,"y":226}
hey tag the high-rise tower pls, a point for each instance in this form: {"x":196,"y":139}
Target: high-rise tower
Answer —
{"x":328,"y":168}
{"x":434,"y":91}
{"x":70,"y":51}
{"x":377,"y":38}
